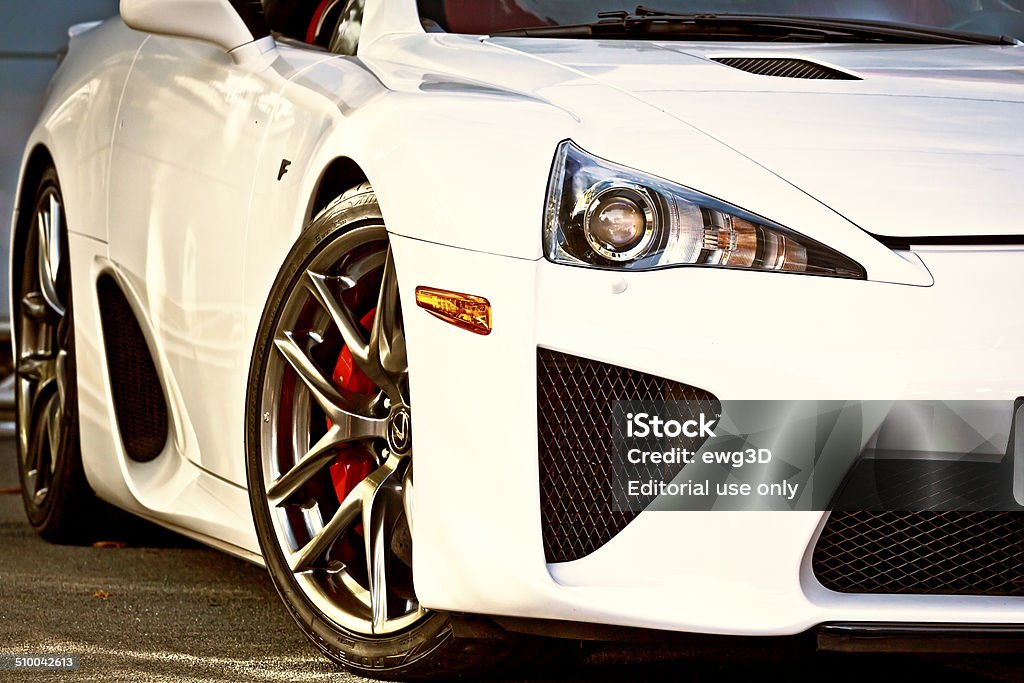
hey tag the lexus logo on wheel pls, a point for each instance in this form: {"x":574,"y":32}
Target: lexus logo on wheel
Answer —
{"x":400,"y":431}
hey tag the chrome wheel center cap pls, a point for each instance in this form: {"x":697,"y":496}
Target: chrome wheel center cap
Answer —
{"x":400,"y":431}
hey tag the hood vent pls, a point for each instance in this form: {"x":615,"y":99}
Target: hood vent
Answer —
{"x":785,"y":68}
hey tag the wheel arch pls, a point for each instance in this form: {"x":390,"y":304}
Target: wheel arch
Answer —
{"x":340,"y":174}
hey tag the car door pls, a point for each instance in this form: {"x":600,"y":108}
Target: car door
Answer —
{"x":186,"y":142}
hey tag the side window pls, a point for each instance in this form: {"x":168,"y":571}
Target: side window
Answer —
{"x":345,"y":38}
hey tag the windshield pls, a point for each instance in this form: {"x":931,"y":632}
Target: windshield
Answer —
{"x":991,"y":17}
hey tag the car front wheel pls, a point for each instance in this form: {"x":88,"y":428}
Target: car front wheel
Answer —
{"x":330,"y":457}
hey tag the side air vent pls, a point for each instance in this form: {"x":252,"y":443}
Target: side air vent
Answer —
{"x":785,"y":68}
{"x":139,"y":403}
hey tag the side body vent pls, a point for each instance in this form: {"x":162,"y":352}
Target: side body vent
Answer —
{"x":139,"y":403}
{"x":785,"y":68}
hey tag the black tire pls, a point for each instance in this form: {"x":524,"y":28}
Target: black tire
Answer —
{"x":428,"y":649}
{"x":61,"y":515}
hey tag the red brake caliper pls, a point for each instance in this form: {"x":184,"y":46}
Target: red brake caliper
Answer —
{"x":353,"y":463}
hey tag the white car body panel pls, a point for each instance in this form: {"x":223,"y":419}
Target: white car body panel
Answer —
{"x":171,"y":178}
{"x":164,"y":166}
{"x":653,"y":574}
{"x":934,"y":153}
{"x":590,"y":109}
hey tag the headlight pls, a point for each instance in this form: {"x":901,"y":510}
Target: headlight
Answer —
{"x":603,"y":215}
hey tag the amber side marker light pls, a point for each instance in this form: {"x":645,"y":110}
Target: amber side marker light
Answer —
{"x":469,"y":312}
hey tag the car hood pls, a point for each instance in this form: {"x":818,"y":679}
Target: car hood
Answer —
{"x":924,"y":141}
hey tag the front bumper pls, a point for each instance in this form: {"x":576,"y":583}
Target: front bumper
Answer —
{"x":740,"y":335}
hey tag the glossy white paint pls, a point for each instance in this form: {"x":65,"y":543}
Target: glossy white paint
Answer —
{"x":171,"y":490}
{"x":923,"y":145}
{"x":171,"y":153}
{"x":767,"y":337}
{"x":212,"y":21}
{"x":163,"y":168}
{"x":31,"y":34}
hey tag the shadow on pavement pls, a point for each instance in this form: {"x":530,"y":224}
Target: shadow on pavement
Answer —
{"x":157,"y":607}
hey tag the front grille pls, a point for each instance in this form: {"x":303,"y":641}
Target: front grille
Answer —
{"x":879,"y":484}
{"x":945,"y":553}
{"x":785,"y":68}
{"x":574,"y":411}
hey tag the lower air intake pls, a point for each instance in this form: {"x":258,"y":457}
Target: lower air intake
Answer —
{"x":138,"y":396}
{"x":944,"y":553}
{"x":574,"y":411}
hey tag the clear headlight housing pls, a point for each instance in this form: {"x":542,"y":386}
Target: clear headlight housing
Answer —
{"x":603,"y":215}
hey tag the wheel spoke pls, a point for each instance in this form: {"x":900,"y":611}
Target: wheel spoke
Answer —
{"x":354,"y":336}
{"x":354,"y":587}
{"x":60,"y":375}
{"x":339,"y":405}
{"x":323,"y":391}
{"x":407,"y":495}
{"x":54,"y":420}
{"x":49,"y":253}
{"x":354,"y":428}
{"x":37,"y":367}
{"x":304,"y":470}
{"x":25,"y":395}
{"x":376,"y":568}
{"x":54,"y":252}
{"x":310,"y":555}
{"x":378,"y":516}
{"x":33,"y":464}
{"x":313,"y":552}
{"x":352,"y":332}
{"x":387,"y":341}
{"x":38,"y":469}
{"x":31,"y":478}
{"x":35,"y":307}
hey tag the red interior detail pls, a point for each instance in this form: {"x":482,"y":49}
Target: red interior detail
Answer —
{"x":311,"y":31}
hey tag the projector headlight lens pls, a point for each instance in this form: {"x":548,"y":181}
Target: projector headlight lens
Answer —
{"x":620,"y":220}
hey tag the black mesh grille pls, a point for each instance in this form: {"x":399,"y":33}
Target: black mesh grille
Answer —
{"x":138,"y":396}
{"x":880,"y":484}
{"x":785,"y":68}
{"x":947,"y":553}
{"x":574,"y":410}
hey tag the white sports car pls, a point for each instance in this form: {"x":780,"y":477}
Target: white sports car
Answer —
{"x":269,"y":255}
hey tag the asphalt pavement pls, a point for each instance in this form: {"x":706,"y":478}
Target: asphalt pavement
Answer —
{"x":166,"y":609}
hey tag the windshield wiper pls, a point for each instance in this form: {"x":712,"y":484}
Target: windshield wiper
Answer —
{"x":645,"y":22}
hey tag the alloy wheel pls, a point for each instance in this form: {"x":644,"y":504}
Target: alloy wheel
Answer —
{"x":43,"y":350}
{"x":336,"y":439}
